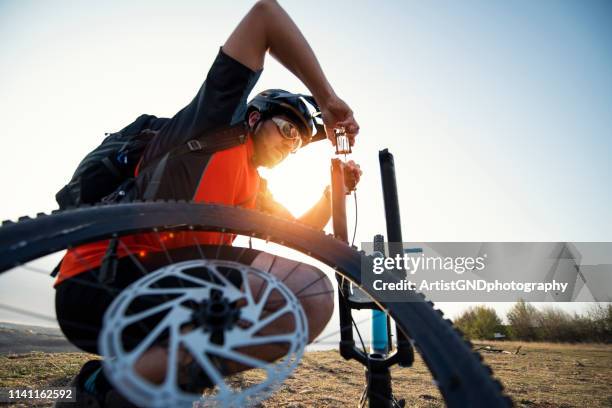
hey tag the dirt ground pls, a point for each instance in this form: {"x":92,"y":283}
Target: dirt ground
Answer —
{"x":541,"y":375}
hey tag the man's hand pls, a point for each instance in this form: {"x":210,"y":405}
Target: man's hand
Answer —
{"x":268,"y":27}
{"x":352,"y":175}
{"x":336,"y":113}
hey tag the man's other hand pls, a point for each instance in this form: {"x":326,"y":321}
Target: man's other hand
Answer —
{"x":352,"y":175}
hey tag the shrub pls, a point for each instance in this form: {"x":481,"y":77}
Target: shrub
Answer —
{"x":522,"y":319}
{"x":600,"y":319}
{"x":555,"y":325}
{"x":479,"y":322}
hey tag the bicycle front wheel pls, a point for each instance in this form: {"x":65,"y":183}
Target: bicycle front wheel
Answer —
{"x":459,"y":373}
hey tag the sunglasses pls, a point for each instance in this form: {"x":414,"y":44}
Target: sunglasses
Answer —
{"x":289,"y":131}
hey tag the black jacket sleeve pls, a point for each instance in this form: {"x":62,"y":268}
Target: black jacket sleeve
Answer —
{"x":220,"y":102}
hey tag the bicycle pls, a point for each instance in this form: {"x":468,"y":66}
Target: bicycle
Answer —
{"x":459,"y":372}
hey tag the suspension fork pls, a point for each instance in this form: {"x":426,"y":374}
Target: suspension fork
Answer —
{"x":394,"y":234}
{"x":378,"y":392}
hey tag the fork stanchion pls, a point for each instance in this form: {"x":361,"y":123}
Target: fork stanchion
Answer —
{"x":394,"y":235}
{"x":380,"y":327}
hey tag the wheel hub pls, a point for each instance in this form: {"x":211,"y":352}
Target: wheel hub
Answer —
{"x":216,"y":315}
{"x":207,"y":317}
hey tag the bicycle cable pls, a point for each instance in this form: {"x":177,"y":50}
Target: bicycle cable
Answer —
{"x":356,"y":219}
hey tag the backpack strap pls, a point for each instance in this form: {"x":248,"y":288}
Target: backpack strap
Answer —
{"x":111,"y":167}
{"x":208,"y":143}
{"x":214,"y":141}
{"x":56,"y":270}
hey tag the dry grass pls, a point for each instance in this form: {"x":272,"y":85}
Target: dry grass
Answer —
{"x":544,"y":375}
{"x":555,"y":375}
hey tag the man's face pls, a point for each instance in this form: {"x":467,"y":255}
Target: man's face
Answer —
{"x":271,"y":147}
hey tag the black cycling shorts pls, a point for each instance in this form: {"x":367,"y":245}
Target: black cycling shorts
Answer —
{"x":81,"y":301}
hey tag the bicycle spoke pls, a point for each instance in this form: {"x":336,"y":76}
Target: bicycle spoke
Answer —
{"x":198,"y":246}
{"x":263,"y":299}
{"x":64,"y":322}
{"x":242,"y":251}
{"x":27,"y":313}
{"x":297,"y":265}
{"x":75,"y":279}
{"x":320,"y":278}
{"x":359,"y":335}
{"x":202,"y":282}
{"x":238,"y":357}
{"x":320,"y":340}
{"x":96,"y":285}
{"x":149,"y":338}
{"x":219,"y":275}
{"x":274,"y":302}
{"x":223,"y":278}
{"x":268,"y":319}
{"x":149,"y":312}
{"x":209,"y":368}
{"x":271,"y":339}
{"x":365,"y":351}
{"x":268,"y":271}
{"x":272,"y":263}
{"x":134,"y":260}
{"x":139,"y":265}
{"x":82,"y":262}
{"x":335,"y":333}
{"x":219,"y":245}
{"x":163,"y":246}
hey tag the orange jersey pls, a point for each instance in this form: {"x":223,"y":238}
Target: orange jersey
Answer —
{"x":229,"y":178}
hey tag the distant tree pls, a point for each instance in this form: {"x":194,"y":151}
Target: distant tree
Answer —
{"x":523,"y":320}
{"x":479,"y":322}
{"x":555,"y":325}
{"x":558,"y":326}
{"x":600,"y":319}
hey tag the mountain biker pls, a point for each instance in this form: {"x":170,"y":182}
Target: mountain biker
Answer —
{"x":276,"y":124}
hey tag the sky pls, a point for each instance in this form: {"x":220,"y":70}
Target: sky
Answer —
{"x":499,"y":114}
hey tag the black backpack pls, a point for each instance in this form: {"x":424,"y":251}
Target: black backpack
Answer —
{"x":110,"y":164}
{"x":110,"y":167}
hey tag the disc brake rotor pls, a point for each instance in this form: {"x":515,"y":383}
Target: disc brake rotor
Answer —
{"x":202,"y":316}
